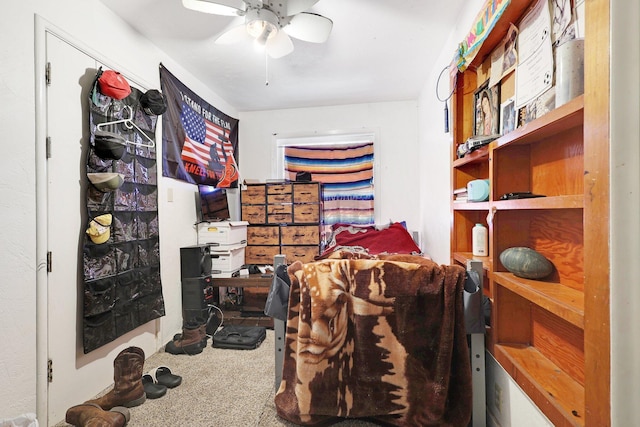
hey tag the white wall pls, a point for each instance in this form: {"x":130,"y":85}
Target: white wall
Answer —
{"x":436,"y":145}
{"x":396,"y":146}
{"x":625,"y":212}
{"x":94,"y":26}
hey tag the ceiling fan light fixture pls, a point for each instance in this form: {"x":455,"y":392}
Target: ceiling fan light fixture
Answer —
{"x":225,"y":7}
{"x":261,"y":41}
{"x":262,"y":24}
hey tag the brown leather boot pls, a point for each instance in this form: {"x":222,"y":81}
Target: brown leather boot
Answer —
{"x":92,"y":415}
{"x":128,"y":390}
{"x":190,"y":342}
{"x":202,"y":330}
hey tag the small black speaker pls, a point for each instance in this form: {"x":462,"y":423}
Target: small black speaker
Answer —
{"x":195,"y":261}
{"x":194,"y":298}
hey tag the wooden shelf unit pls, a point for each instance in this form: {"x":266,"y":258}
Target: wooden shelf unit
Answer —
{"x":552,"y":335}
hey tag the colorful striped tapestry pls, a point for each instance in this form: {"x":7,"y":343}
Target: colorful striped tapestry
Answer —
{"x":481,"y":28}
{"x":346,"y":171}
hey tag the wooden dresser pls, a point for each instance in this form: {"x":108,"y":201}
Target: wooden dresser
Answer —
{"x":284,"y":218}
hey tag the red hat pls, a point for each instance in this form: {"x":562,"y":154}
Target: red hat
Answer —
{"x":113,"y":84}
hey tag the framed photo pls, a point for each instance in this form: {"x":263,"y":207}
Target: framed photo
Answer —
{"x":508,"y":116}
{"x":486,"y":103}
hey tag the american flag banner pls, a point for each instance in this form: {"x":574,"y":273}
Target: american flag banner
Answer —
{"x":200,"y":143}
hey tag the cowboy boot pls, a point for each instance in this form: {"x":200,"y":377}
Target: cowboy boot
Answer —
{"x":190,"y":342}
{"x":92,"y":415}
{"x":202,"y":331}
{"x":128,"y":390}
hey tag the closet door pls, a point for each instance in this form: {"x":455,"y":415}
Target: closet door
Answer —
{"x":76,"y":376}
{"x":68,"y":131}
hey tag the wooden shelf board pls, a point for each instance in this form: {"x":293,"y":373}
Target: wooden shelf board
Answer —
{"x":479,"y":155}
{"x":559,"y":397}
{"x":252,"y":280}
{"x":236,"y":317}
{"x":463,"y":257}
{"x":564,"y":302}
{"x":470,"y":206}
{"x":555,"y":121}
{"x":575,"y":201}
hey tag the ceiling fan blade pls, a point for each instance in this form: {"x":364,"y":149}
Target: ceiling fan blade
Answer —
{"x":236,"y":33}
{"x":309,"y":27}
{"x":279,"y":45}
{"x":296,"y":6}
{"x":220,"y":7}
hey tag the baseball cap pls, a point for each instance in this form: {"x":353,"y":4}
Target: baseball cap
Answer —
{"x":99,"y":228}
{"x":106,"y":181}
{"x":153,"y":102}
{"x":113,"y":84}
{"x":109,"y":145}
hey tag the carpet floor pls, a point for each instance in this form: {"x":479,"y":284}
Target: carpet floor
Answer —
{"x":220,"y":388}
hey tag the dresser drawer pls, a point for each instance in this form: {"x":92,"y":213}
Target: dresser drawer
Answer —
{"x":263,"y":235}
{"x":260,"y":254}
{"x":283,"y":188}
{"x":300,"y":235}
{"x":278,"y":214}
{"x":279,"y":198}
{"x":306,"y":213}
{"x":254,"y":195}
{"x":300,"y":253}
{"x":254,"y":214}
{"x":306,"y":193}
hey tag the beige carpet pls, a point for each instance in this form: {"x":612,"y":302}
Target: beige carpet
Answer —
{"x":220,"y":388}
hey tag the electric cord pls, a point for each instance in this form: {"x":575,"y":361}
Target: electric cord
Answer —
{"x":445,"y":100}
{"x":220,"y":326}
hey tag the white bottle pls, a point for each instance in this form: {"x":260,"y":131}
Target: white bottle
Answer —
{"x":480,"y":240}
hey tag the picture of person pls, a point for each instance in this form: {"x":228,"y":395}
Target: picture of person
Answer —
{"x":510,"y":56}
{"x":507,"y":116}
{"x":486,"y":114}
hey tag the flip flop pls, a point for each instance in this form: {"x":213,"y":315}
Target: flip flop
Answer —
{"x":152,"y":389}
{"x":163,"y":376}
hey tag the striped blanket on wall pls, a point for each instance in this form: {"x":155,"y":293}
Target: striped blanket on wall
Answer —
{"x":346,"y":172}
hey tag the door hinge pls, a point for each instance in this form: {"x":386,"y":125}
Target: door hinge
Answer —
{"x":50,"y":370}
{"x":47,"y":73}
{"x":48,"y":147}
{"x":49,"y":262}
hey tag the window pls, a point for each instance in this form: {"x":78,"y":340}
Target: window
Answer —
{"x":345,"y":166}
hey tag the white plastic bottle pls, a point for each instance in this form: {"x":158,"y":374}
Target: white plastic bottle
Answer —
{"x":480,"y":240}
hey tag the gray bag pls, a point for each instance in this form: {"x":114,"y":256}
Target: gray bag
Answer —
{"x":278,"y":298}
{"x":473,"y":304}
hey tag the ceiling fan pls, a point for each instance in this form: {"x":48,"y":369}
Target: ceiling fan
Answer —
{"x":269,"y":23}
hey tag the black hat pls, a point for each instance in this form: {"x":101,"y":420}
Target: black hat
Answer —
{"x":303,"y":176}
{"x":109,"y":145}
{"x":153,"y":102}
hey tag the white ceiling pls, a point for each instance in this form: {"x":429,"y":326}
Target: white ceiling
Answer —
{"x":378,"y":50}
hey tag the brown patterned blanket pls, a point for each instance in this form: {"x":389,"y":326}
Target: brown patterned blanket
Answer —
{"x":382,"y":339}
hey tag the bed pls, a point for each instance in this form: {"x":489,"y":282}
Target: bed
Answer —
{"x":374,"y":330}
